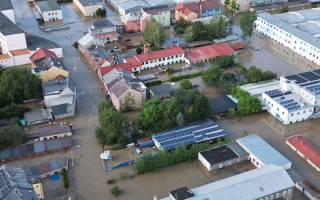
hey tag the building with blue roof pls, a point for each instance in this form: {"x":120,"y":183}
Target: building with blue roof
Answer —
{"x":299,"y":31}
{"x":261,"y":153}
{"x":194,"y":132}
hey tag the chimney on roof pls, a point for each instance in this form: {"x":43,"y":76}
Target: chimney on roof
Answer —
{"x":146,"y":48}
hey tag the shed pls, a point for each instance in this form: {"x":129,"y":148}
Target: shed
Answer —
{"x":219,"y":157}
{"x":261,"y":153}
{"x":54,"y":131}
{"x":38,"y":116}
{"x":145,"y":142}
{"x":220,"y":105}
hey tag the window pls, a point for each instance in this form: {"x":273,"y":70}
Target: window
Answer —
{"x":304,"y":112}
{"x":298,"y":113}
{"x":289,"y":190}
{"x":292,"y":114}
{"x":277,"y":195}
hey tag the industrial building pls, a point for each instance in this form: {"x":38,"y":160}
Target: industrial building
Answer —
{"x":297,"y":98}
{"x":222,"y":156}
{"x":268,"y":182}
{"x":299,"y":31}
{"x":194,"y":132}
{"x":261,"y":153}
{"x":305,"y":149}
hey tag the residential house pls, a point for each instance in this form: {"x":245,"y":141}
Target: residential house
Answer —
{"x":15,"y":185}
{"x":121,"y":66}
{"x":87,"y":41}
{"x":7,"y":9}
{"x":120,"y":84}
{"x":106,"y":25}
{"x":54,"y":131}
{"x":16,"y":46}
{"x":49,"y":10}
{"x":88,"y":7}
{"x":134,"y":21}
{"x":160,"y":14}
{"x":206,"y":53}
{"x":148,"y":60}
{"x":162,"y":91}
{"x":194,"y":10}
{"x":60,"y":97}
{"x":47,"y":66}
{"x":98,"y":56}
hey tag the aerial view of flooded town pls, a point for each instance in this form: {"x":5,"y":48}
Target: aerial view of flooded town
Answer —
{"x":159,"y":99}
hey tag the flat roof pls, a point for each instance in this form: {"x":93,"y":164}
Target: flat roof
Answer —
{"x":254,"y":184}
{"x":90,"y":2}
{"x":219,"y":154}
{"x":54,"y":129}
{"x":182,"y":193}
{"x":308,"y":149}
{"x":263,"y":151}
{"x":290,"y":22}
{"x":193,"y":132}
{"x":257,"y":89}
{"x":221,"y":104}
{"x":48,"y":5}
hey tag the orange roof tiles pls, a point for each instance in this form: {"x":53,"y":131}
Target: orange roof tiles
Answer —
{"x":133,"y":61}
{"x":309,"y":150}
{"x":20,"y":52}
{"x":189,"y":7}
{"x":237,"y":45}
{"x":207,"y":52}
{"x":5,"y":56}
{"x":41,"y":53}
{"x":105,"y":70}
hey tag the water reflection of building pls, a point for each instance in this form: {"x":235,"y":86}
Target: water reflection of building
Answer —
{"x":283,"y":52}
{"x":298,"y":31}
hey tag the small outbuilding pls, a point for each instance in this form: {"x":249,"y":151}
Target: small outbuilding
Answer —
{"x":145,"y":142}
{"x":54,"y":131}
{"x":222,"y":104}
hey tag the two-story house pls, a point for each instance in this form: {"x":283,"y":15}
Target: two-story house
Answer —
{"x":49,"y":10}
{"x":160,"y":14}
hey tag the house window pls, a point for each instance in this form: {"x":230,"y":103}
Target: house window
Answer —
{"x":289,"y":190}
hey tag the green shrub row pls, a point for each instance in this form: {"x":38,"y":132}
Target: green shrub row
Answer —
{"x":185,"y":76}
{"x":149,"y":162}
{"x":65,"y":178}
{"x":153,"y":83}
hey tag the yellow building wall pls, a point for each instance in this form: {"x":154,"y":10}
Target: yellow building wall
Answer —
{"x":38,"y":189}
{"x":52,"y":73}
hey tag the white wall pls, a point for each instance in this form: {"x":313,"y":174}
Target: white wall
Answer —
{"x":22,"y":59}
{"x":52,"y":15}
{"x":87,"y":10}
{"x":162,"y":61}
{"x":286,"y":39}
{"x":58,"y":136}
{"x":16,"y":41}
{"x":7,"y":62}
{"x":9,"y":14}
{"x":163,"y":18}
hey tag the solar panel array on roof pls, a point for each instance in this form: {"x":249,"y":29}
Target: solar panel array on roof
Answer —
{"x":297,"y":79}
{"x":314,"y":89}
{"x":187,"y":134}
{"x":310,"y":76}
{"x":273,"y":93}
{"x":289,"y":104}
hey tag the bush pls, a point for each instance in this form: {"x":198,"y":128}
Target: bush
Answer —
{"x":170,"y":70}
{"x":111,"y":181}
{"x":115,"y":190}
{"x":65,"y":178}
{"x":149,"y":162}
{"x":186,"y":76}
{"x":13,"y":110}
{"x":153,"y":83}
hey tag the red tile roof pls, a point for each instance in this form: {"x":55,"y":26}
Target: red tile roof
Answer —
{"x":187,"y":8}
{"x":105,"y":70}
{"x":207,"y":52}
{"x":20,"y":52}
{"x":4,"y":56}
{"x":107,"y":35}
{"x":169,"y":51}
{"x":133,"y":61}
{"x":309,"y":150}
{"x":237,"y":45}
{"x":41,"y":53}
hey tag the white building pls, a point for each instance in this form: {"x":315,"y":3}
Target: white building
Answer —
{"x":261,"y":153}
{"x":297,"y":99}
{"x":54,"y":131}
{"x":161,"y":15}
{"x":148,"y":60}
{"x":49,"y":10}
{"x":269,"y":182}
{"x":299,"y":31}
{"x":88,"y":7}
{"x":7,"y":9}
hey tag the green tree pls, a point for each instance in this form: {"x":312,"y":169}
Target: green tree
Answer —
{"x":112,"y":125}
{"x":212,"y":75}
{"x":101,"y":12}
{"x":233,"y":6}
{"x":189,"y":34}
{"x":151,"y":114}
{"x":268,"y":75}
{"x":180,"y":119}
{"x":154,"y":33}
{"x":18,"y":84}
{"x":231,"y":113}
{"x":65,"y":178}
{"x":224,"y":87}
{"x":200,"y":108}
{"x":185,"y":84}
{"x":247,"y":21}
{"x":284,"y":8}
{"x":181,"y":26}
{"x":254,"y":74}
{"x":129,"y":102}
{"x":224,"y":61}
{"x":12,"y":136}
{"x":13,"y":110}
{"x":247,"y":104}
{"x":199,"y":31}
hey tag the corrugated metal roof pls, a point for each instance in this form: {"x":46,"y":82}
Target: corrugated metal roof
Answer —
{"x":5,"y":153}
{"x":39,"y":146}
{"x":15,"y":151}
{"x":52,"y":144}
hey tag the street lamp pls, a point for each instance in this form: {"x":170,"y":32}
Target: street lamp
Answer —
{"x":78,"y":146}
